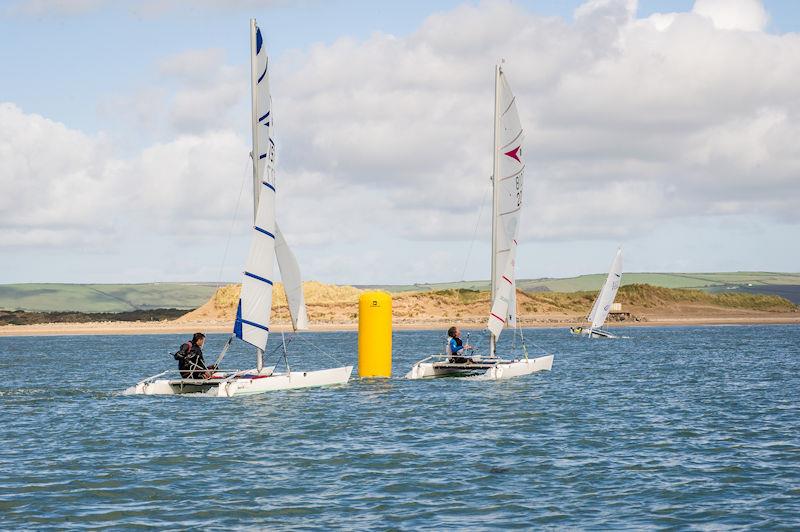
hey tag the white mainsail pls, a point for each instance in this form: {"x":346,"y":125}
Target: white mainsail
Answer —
{"x":255,"y":305}
{"x":509,"y":168}
{"x":292,"y":282}
{"x":602,"y":305}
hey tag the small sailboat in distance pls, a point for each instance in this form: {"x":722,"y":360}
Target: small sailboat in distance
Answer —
{"x":602,"y":304}
{"x":255,"y":305}
{"x":507,"y":180}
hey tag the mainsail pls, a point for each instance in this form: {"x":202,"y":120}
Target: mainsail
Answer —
{"x":602,"y":305}
{"x":255,"y":305}
{"x":509,"y":168}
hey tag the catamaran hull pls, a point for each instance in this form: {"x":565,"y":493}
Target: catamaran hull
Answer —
{"x":596,"y":333}
{"x":245,"y":386}
{"x":501,"y":371}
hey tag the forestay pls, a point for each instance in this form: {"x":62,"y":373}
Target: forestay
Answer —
{"x":509,"y":170}
{"x":605,"y":299}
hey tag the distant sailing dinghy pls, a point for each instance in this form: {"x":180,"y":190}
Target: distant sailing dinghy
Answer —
{"x":506,"y":206}
{"x":255,"y":306}
{"x":602,"y":305}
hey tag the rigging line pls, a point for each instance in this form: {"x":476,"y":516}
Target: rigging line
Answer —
{"x":320,"y":349}
{"x":282,"y":346}
{"x":475,"y":232}
{"x":233,"y":223}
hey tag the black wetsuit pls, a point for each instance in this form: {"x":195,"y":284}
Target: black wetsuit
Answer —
{"x":190,"y":361}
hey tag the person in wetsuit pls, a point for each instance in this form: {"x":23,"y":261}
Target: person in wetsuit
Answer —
{"x":190,"y":358}
{"x":455,"y":347}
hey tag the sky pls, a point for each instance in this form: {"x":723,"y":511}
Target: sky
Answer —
{"x":668,"y":127}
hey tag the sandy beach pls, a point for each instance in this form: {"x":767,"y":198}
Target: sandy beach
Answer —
{"x":178,"y":327}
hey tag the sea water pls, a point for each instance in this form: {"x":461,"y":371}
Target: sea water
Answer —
{"x":671,"y":427}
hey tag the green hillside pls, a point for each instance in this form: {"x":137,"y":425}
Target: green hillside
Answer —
{"x":736,"y":281}
{"x":57,"y":297}
{"x":54,"y":297}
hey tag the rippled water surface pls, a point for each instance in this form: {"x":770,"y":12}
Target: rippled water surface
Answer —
{"x":672,"y":427}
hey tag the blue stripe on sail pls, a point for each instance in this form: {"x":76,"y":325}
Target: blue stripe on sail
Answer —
{"x":257,"y":228}
{"x":263,"y":117}
{"x":262,"y":156}
{"x":268,"y":185}
{"x":262,"y":75}
{"x":237,"y":325}
{"x":254,"y":324}
{"x":259,"y":40}
{"x":258,"y":277}
{"x":272,"y":142}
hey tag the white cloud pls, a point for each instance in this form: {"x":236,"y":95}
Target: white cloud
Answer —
{"x":748,"y":15}
{"x":630,"y":123}
{"x":635,"y":120}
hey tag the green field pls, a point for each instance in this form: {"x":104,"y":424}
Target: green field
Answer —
{"x":53,"y":297}
{"x":56,"y":297}
{"x":595,"y":281}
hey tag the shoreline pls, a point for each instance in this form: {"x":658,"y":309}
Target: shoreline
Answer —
{"x":177,"y":327}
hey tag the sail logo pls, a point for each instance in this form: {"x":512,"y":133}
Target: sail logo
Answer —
{"x":515,"y":153}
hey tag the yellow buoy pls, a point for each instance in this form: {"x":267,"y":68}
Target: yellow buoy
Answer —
{"x":375,"y":334}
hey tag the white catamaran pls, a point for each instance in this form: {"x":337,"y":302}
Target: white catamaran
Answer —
{"x":602,"y":305}
{"x":507,"y":180}
{"x":255,"y":304}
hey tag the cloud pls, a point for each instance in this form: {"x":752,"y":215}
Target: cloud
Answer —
{"x":630,"y":124}
{"x":629,"y":119}
{"x":748,"y":15}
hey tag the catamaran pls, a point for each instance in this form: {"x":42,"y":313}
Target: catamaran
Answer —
{"x":507,"y":180}
{"x":255,"y":305}
{"x":602,"y":305}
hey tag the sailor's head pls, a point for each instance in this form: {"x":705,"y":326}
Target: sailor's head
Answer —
{"x":198,"y":339}
{"x":453,"y":332}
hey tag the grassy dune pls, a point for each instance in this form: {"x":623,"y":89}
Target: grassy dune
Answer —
{"x":595,"y":281}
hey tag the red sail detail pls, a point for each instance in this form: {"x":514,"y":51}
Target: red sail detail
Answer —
{"x":514,"y":154}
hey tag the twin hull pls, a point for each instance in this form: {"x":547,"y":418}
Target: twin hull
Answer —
{"x":245,"y":386}
{"x":500,"y":371}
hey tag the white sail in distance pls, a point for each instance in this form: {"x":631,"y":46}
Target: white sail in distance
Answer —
{"x":255,"y":305}
{"x":508,"y":177}
{"x":607,"y":294}
{"x":292,"y":282}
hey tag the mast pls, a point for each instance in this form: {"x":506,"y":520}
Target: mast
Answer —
{"x":495,"y":197}
{"x":254,"y":152}
{"x":253,"y":111}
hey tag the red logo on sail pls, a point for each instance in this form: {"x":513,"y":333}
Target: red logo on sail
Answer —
{"x":515,"y":153}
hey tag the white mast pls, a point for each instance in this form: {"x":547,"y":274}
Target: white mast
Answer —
{"x":495,"y":174}
{"x":254,"y":152}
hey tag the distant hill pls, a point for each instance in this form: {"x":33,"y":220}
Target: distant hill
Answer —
{"x":338,"y":304}
{"x":57,"y":297}
{"x":786,"y":285}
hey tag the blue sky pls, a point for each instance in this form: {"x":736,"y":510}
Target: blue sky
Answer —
{"x":104,"y":80}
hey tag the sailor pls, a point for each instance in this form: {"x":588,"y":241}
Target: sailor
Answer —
{"x":455,"y":347}
{"x":190,"y":358}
